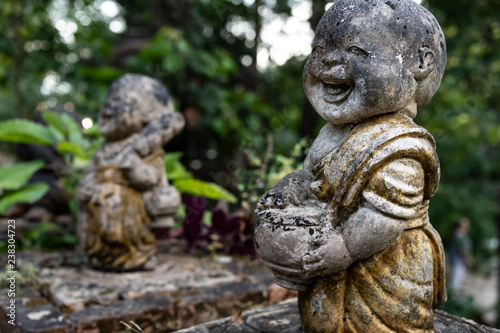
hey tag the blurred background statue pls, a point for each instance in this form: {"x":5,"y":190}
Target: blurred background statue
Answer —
{"x":125,"y":189}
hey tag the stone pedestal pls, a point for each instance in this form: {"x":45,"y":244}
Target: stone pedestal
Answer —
{"x":284,"y":318}
{"x":66,"y":296}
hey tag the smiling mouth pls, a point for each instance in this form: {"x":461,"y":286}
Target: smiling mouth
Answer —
{"x":337,"y":92}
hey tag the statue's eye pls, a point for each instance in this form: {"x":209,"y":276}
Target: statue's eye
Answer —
{"x":357,"y":50}
{"x":317,"y":48}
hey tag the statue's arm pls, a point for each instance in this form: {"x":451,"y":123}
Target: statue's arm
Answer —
{"x":141,"y":175}
{"x":87,"y":184}
{"x":158,"y":133}
{"x":392,"y":197}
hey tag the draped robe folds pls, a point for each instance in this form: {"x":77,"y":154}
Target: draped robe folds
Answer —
{"x":389,"y":162}
{"x":118,"y":236}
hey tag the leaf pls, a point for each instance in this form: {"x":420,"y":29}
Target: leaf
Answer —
{"x":62,"y":122}
{"x":28,"y":194}
{"x":73,"y":149}
{"x":54,"y":119}
{"x":92,"y":132}
{"x":17,"y":175}
{"x":101,"y":73}
{"x":204,"y":189}
{"x":35,"y":233}
{"x":174,"y":168}
{"x":25,"y":131}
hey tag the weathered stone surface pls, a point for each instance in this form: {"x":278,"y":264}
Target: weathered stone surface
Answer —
{"x":284,"y":317}
{"x":350,"y":231}
{"x":125,"y":191}
{"x":181,"y":291}
{"x":43,"y":318}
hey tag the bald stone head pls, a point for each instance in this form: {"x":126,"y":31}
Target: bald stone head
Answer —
{"x":133,"y":101}
{"x":372,"y":57}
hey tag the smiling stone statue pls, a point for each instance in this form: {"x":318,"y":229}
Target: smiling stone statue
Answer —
{"x":125,"y":189}
{"x":351,"y":230}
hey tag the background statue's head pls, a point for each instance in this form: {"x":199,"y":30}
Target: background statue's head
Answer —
{"x":374,"y":56}
{"x":133,"y":101}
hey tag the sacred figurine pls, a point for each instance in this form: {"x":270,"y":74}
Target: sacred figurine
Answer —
{"x":351,"y":230}
{"x":125,"y":190}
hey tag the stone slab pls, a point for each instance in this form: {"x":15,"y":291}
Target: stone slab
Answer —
{"x":183,"y":290}
{"x":284,"y":317}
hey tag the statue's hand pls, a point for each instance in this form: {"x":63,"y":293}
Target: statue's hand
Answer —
{"x":127,"y":159}
{"x":329,"y":256}
{"x":177,"y":121}
{"x":293,"y":189}
{"x":278,"y":198}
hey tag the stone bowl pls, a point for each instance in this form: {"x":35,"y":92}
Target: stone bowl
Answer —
{"x":283,"y":236}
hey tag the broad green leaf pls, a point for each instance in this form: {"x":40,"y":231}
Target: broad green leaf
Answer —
{"x":57,"y":134}
{"x":64,"y":123}
{"x":92,"y":132}
{"x":175,"y":169}
{"x":17,"y":175}
{"x":207,"y":218}
{"x":55,"y":119}
{"x":73,"y":149}
{"x":172,"y":157}
{"x":101,"y":73}
{"x":25,"y":131}
{"x":204,"y":189}
{"x":28,"y":194}
{"x":71,"y":124}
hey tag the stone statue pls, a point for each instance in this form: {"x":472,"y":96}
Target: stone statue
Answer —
{"x":125,"y":190}
{"x":351,"y":230}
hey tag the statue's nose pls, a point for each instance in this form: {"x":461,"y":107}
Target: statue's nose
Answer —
{"x":106,"y":111}
{"x":331,"y":59}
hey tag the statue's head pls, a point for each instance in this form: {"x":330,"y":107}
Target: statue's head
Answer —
{"x":133,"y":101}
{"x":372,"y":57}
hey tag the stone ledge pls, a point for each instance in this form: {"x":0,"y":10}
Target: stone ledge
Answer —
{"x":284,"y":318}
{"x":182,"y":291}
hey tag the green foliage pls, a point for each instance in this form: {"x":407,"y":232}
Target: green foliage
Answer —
{"x":260,"y":172}
{"x":12,"y":177}
{"x":61,"y":122}
{"x":463,"y":117}
{"x":27,"y":194}
{"x":174,"y":168}
{"x":24,"y":131}
{"x":48,"y":235}
{"x":44,"y":235}
{"x":14,"y":188}
{"x":73,"y":149}
{"x":76,"y":146}
{"x":204,"y":189}
{"x":185,"y":183}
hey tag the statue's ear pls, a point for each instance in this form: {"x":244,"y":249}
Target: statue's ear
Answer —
{"x":427,"y":63}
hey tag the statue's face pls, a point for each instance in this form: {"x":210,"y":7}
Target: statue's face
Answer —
{"x":359,"y":66}
{"x":120,"y":117}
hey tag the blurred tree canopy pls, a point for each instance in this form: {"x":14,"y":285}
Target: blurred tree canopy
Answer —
{"x":464,"y":117}
{"x":67,"y":52}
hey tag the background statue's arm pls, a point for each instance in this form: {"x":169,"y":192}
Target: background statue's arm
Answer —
{"x":87,"y":184}
{"x":158,"y":133}
{"x":392,"y":197}
{"x":140,"y":174}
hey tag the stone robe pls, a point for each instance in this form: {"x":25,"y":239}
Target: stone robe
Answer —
{"x":390,"y":163}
